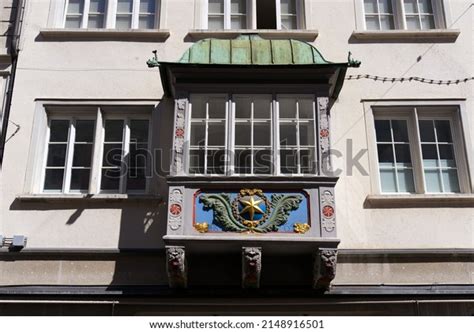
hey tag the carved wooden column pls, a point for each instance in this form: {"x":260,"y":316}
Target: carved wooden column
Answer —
{"x":324,"y":134}
{"x":324,"y":268}
{"x":176,"y":267}
{"x":327,"y":212}
{"x":180,"y":105}
{"x":251,"y":267}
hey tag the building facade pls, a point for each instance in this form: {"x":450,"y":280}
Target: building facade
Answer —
{"x":236,"y":157}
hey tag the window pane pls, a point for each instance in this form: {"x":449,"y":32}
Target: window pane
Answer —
{"x":123,"y":22}
{"x":386,"y":23}
{"x":97,"y":6}
{"x":139,"y":131}
{"x":85,"y":130}
{"x":426,"y":131}
{"x":307,"y":161}
{"x":198,"y":132}
{"x":243,"y":133}
{"x":196,"y":161}
{"x":82,"y":155}
{"x":75,"y":7}
{"x":242,"y":161}
{"x":263,"y":162}
{"x":136,"y":180}
{"x":382,"y":130}
{"x":433,"y":181}
{"x":238,"y":22}
{"x":80,"y":179}
{"x":305,"y":107}
{"x":112,"y":155}
{"x":198,"y":108}
{"x":95,"y":22}
{"x":410,"y":6}
{"x":56,"y":155}
{"x":446,"y":155}
{"x":413,"y":23}
{"x":217,"y":108}
{"x":430,"y":156}
{"x":400,"y":132}
{"x":262,"y":108}
{"x":215,"y":23}
{"x":425,"y":6}
{"x":405,"y":181}
{"x":372,"y":23}
{"x":147,"y":6}
{"x":450,"y":180}
{"x":287,"y":108}
{"x":216,"y":134}
{"x":54,"y":179}
{"x":427,"y":22}
{"x":288,"y":22}
{"x":307,"y":133}
{"x":113,"y":130}
{"x":288,"y":134}
{"x":243,"y":108}
{"x":238,"y":6}
{"x":146,"y":22}
{"x":216,"y":6}
{"x":387,"y":180}
{"x":385,"y":152}
{"x":110,"y":179}
{"x":385,"y":6}
{"x":73,"y":22}
{"x":443,"y":131}
{"x":262,"y":134}
{"x":288,"y":161}
{"x":124,"y":6}
{"x":59,"y":130}
{"x":216,"y":161}
{"x":370,"y":6}
{"x":138,"y":156}
{"x":402,"y":153}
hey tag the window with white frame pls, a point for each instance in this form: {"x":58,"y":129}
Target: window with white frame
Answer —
{"x":121,"y":157}
{"x":419,"y":150}
{"x":252,"y":134}
{"x":403,"y":14}
{"x":112,"y":14}
{"x":253,"y":14}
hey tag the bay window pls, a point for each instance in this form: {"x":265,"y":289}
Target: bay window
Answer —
{"x":252,"y":134}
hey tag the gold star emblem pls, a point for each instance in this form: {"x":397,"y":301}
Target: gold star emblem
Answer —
{"x":251,"y":206}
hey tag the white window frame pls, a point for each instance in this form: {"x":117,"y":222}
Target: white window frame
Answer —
{"x":275,"y":139}
{"x":46,"y":111}
{"x":409,"y":111}
{"x":59,"y":12}
{"x":440,"y":13}
{"x":252,"y":14}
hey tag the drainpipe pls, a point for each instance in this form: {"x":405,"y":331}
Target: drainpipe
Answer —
{"x":14,"y":50}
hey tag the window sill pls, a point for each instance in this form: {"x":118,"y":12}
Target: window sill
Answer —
{"x":405,"y":36}
{"x":150,"y":35}
{"x":418,"y":201}
{"x":304,"y":35}
{"x":99,"y":198}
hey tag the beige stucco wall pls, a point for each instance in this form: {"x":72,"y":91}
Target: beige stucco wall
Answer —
{"x":117,"y":70}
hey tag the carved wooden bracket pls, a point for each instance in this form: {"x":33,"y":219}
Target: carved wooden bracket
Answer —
{"x":176,"y":267}
{"x":324,"y":268}
{"x":251,"y":267}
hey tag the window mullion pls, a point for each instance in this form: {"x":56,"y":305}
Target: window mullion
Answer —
{"x":125,"y":157}
{"x":378,"y":15}
{"x":419,"y":170}
{"x":252,"y":138}
{"x":96,"y":162}
{"x":110,"y":14}
{"x":278,"y":14}
{"x":401,"y":12}
{"x":85,"y":15}
{"x":206,"y":137}
{"x":298,"y":146}
{"x":394,"y":156}
{"x":230,"y":146}
{"x":276,"y":136}
{"x":438,"y":159}
{"x":135,"y":13}
{"x":70,"y":154}
{"x":227,"y":14}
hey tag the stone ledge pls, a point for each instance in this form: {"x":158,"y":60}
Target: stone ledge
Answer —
{"x":71,"y":198}
{"x":104,"y":35}
{"x":405,"y":36}
{"x":418,"y":201}
{"x":304,"y":35}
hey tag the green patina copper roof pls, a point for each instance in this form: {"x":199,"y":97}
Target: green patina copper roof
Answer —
{"x":252,"y":50}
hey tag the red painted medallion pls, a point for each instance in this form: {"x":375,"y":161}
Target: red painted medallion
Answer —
{"x":175,"y":209}
{"x":180,"y":132}
{"x":324,"y":133}
{"x":328,"y":211}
